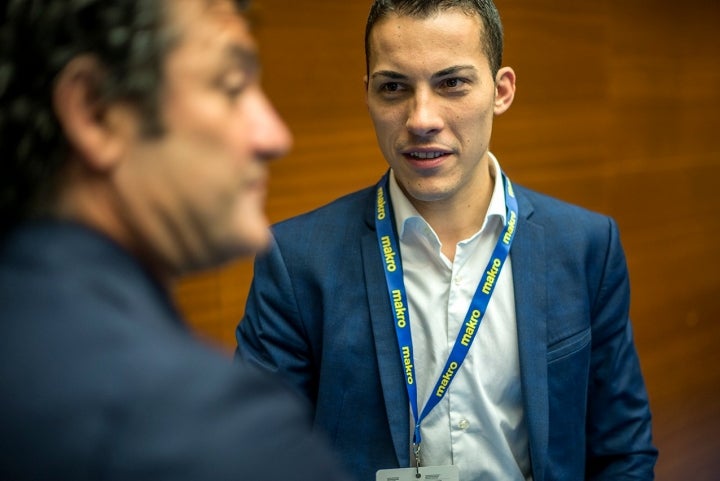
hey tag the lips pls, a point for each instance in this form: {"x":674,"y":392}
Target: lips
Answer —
{"x":425,"y":152}
{"x":426,"y":155}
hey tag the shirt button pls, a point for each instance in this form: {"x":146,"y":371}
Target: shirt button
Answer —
{"x":458,"y":280}
{"x":464,"y":424}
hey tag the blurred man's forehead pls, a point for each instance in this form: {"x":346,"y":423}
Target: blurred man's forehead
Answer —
{"x":209,"y":25}
{"x":184,"y":15}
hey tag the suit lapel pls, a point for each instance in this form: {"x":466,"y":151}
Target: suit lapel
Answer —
{"x":388,"y":354}
{"x":530,"y":284}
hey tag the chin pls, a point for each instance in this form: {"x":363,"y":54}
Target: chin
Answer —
{"x":251,"y":241}
{"x":250,"y":230}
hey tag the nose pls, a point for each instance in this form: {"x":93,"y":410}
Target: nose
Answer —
{"x":271,"y":138}
{"x":424,"y":118}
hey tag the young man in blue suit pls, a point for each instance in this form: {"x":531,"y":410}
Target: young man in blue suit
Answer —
{"x":134,"y":142}
{"x":446,"y":321}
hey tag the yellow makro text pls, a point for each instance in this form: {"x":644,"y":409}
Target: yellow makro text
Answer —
{"x":511,"y":228}
{"x":470,"y":327}
{"x":380,"y":204}
{"x":446,"y":378}
{"x":389,"y":253}
{"x":408,"y":364}
{"x":399,"y":308}
{"x":491,"y":275}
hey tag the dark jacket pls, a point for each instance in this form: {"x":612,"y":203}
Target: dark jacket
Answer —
{"x":101,"y":380}
{"x":319,"y":313}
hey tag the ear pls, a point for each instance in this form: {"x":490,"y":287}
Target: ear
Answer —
{"x":87,"y":123}
{"x":365,"y":83}
{"x":504,"y":89}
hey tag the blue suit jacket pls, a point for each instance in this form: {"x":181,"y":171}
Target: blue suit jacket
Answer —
{"x":99,"y":379}
{"x":319,"y":312}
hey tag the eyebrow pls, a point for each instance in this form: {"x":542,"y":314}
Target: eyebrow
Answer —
{"x":391,"y":74}
{"x":245,"y":58}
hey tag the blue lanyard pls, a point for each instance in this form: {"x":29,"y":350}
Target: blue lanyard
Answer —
{"x":389,"y":250}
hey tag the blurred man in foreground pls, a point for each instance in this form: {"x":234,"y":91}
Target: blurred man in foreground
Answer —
{"x":134,"y":139}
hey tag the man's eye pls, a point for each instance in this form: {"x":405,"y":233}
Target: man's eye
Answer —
{"x":453,"y":83}
{"x":233,"y":84}
{"x":233,"y":91}
{"x":390,"y":87}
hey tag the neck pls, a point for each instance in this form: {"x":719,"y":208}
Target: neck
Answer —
{"x":460,"y":217}
{"x":89,"y":199}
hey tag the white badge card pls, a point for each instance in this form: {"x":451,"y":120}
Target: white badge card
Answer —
{"x":423,"y":473}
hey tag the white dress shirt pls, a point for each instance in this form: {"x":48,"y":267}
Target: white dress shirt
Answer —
{"x":479,"y":425}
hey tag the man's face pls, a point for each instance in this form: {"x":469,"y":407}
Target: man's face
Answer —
{"x":196,"y":194}
{"x":431,"y":94}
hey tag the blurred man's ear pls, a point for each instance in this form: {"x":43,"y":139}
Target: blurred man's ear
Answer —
{"x":93,"y":129}
{"x":504,"y":89}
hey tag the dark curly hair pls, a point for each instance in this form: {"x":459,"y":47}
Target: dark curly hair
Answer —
{"x":130,"y":39}
{"x":492,"y":40}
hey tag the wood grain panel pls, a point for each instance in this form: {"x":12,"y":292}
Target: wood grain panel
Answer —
{"x":617,"y":109}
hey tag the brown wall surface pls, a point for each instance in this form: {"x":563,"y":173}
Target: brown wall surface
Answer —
{"x":617,"y":109}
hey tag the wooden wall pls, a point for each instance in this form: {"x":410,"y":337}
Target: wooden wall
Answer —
{"x":617,"y":109}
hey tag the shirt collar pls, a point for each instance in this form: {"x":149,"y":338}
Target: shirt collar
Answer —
{"x":407,"y":217}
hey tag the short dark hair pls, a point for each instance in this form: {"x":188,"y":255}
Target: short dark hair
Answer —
{"x":492,"y":40}
{"x":129,"y":38}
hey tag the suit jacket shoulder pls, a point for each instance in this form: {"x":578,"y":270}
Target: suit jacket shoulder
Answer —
{"x":100,"y":379}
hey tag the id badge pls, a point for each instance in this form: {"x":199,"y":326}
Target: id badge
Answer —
{"x":423,"y":473}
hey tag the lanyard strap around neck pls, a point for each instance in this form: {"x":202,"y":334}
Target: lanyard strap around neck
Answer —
{"x":390,"y":252}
